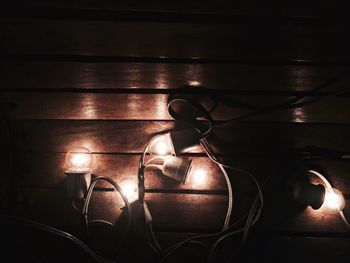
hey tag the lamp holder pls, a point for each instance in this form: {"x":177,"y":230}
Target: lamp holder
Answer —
{"x":177,"y":168}
{"x":77,"y":184}
{"x":309,"y":194}
{"x":183,"y":139}
{"x":141,"y":183}
{"x":302,"y":190}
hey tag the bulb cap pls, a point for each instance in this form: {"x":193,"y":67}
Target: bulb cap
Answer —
{"x":77,"y":184}
{"x":309,"y":194}
{"x":177,"y":168}
{"x":184,"y":139}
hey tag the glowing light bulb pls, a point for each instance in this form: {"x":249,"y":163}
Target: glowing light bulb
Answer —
{"x":79,"y":160}
{"x":198,"y":177}
{"x":129,"y":189}
{"x":161,"y":145}
{"x":334,"y":199}
{"x":194,"y":83}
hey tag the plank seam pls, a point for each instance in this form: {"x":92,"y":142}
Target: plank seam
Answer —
{"x":168,"y":17}
{"x":87,"y":58}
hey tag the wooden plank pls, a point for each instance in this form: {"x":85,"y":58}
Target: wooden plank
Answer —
{"x":26,"y":243}
{"x":47,"y":170}
{"x":47,"y":136}
{"x":182,"y":212}
{"x":54,"y":208}
{"x":180,"y":40}
{"x":6,"y":175}
{"x":162,"y":76}
{"x":292,"y":249}
{"x":270,"y":249}
{"x":106,"y":106}
{"x":282,"y":216}
{"x":336,"y":172}
{"x":127,"y":136}
{"x":287,"y":218}
{"x":224,"y":7}
{"x":167,"y":239}
{"x":168,"y":210}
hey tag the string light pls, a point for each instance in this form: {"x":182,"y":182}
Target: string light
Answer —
{"x":194,"y":83}
{"x":129,"y":189}
{"x":198,"y":177}
{"x":334,"y":199}
{"x":161,"y":145}
{"x":78,"y":174}
{"x":79,"y":160}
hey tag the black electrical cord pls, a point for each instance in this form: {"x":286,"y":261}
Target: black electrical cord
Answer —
{"x":231,"y":102}
{"x":293,"y":103}
{"x":286,"y":106}
{"x":188,"y":118}
{"x":84,"y":212}
{"x":57,"y":232}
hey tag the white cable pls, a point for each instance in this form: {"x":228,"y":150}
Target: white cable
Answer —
{"x":346,"y":222}
{"x":211,"y":155}
{"x":230,"y":197}
{"x":325,"y":181}
{"x":58,"y":232}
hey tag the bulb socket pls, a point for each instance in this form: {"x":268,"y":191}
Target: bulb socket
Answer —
{"x":177,"y":168}
{"x":183,"y":139}
{"x":309,"y":194}
{"x":77,"y":184}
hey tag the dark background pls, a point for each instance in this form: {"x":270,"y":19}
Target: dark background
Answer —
{"x":98,"y":74}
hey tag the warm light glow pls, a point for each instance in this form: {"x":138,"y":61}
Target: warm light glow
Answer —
{"x":299,"y":115}
{"x":129,"y":189}
{"x":161,"y":145}
{"x":79,"y":160}
{"x":334,"y":199}
{"x":194,"y":83}
{"x":162,"y":148}
{"x":198,"y":177}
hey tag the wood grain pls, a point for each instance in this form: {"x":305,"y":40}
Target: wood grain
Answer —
{"x":47,"y":171}
{"x":280,"y":215}
{"x":52,"y":207}
{"x":49,"y":136}
{"x":181,"y":40}
{"x":98,"y":74}
{"x":6,"y":176}
{"x":291,"y":249}
{"x":162,"y":76}
{"x":176,"y":212}
{"x":271,"y":249}
{"x":105,"y":106}
{"x":291,"y":9}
